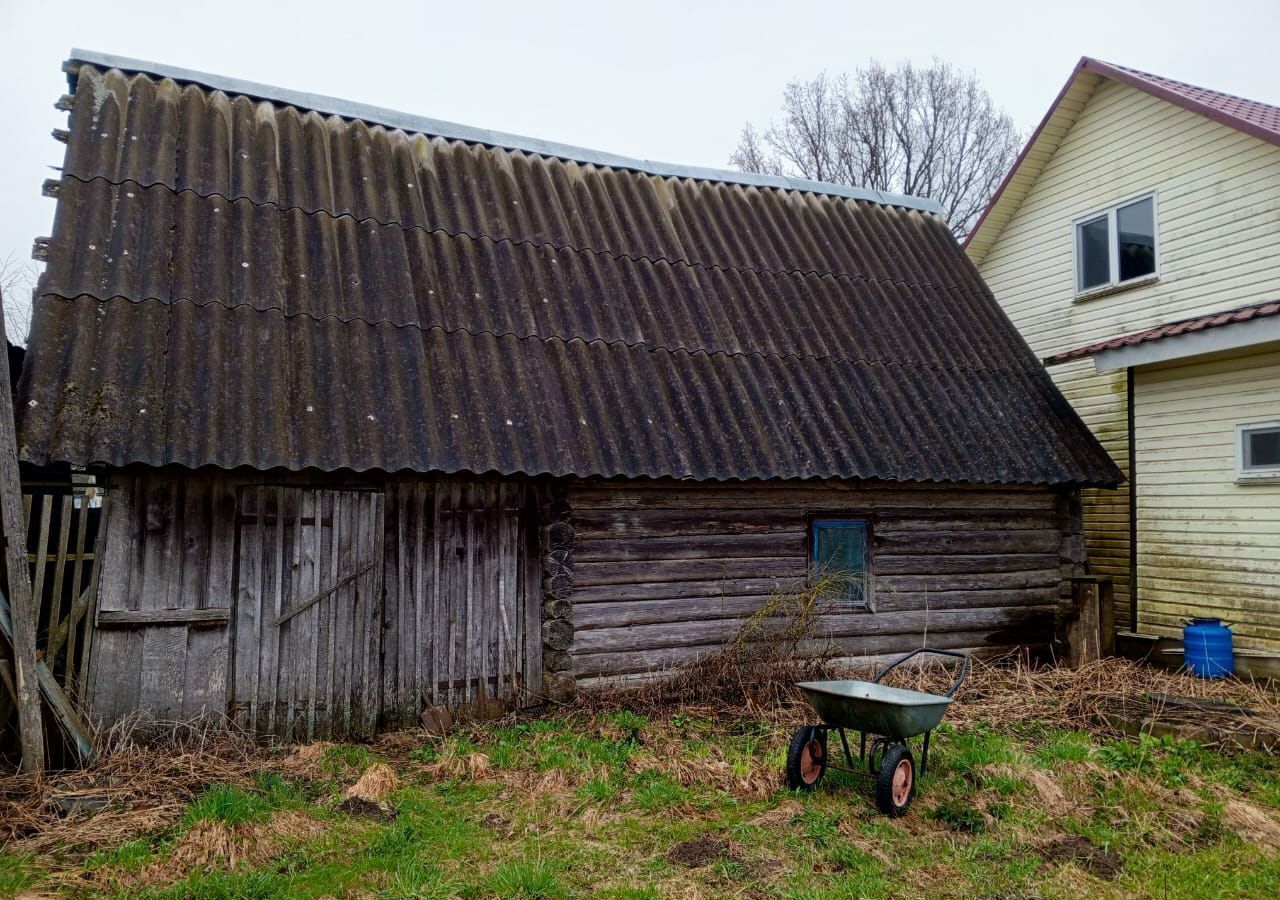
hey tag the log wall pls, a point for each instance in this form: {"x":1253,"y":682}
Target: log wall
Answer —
{"x":664,"y":571}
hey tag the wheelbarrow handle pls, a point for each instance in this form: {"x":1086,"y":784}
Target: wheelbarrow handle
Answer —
{"x":955,"y":685}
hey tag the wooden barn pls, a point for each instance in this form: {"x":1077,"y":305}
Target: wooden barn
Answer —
{"x":392,"y":412}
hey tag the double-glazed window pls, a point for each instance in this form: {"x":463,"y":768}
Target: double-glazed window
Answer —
{"x":1116,"y":245}
{"x":1258,"y":450}
{"x":840,"y":561}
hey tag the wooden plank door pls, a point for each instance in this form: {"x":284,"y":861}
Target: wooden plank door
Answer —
{"x":308,"y":618}
{"x":479,"y":647}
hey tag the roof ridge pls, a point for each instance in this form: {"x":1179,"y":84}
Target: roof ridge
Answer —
{"x":408,"y":122}
{"x":1165,"y":79}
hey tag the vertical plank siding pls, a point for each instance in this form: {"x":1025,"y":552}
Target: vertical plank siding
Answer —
{"x":664,"y":572}
{"x":422,"y":599}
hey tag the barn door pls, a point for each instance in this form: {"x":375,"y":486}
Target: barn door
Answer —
{"x":478,"y":650}
{"x":308,"y":616}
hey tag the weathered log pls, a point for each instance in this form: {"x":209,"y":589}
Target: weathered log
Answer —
{"x":788,"y":544}
{"x":557,"y":634}
{"x":964,"y":541}
{"x":639,"y":571}
{"x":672,"y":590}
{"x":832,"y":625}
{"x":559,"y":510}
{"x":559,"y":686}
{"x":558,"y":536}
{"x":556,"y":660}
{"x":557,"y":609}
{"x":631,"y":661}
{"x":558,"y":562}
{"x":557,"y":587}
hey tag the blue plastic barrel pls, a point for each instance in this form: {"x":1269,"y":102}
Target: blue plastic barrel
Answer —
{"x":1207,"y":645}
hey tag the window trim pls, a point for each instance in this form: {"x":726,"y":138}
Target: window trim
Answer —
{"x":1113,"y":245}
{"x":1260,"y":474}
{"x":810,"y":548}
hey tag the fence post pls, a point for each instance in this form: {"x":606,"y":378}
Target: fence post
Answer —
{"x":1089,"y":625}
{"x":22,"y":609}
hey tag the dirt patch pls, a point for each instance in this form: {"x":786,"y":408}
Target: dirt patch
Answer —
{"x":781,"y":815}
{"x":701,"y":851}
{"x":1085,"y":854}
{"x":368,"y":809}
{"x":1253,"y":825}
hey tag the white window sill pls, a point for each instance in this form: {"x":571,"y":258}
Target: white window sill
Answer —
{"x":1260,"y":478}
{"x":1108,"y":289}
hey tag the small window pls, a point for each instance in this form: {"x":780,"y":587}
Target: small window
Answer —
{"x":1258,"y":450}
{"x":1116,"y":245}
{"x":840,"y":560}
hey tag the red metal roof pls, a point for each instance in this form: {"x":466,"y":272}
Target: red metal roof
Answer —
{"x":1172,"y":329}
{"x":1262,"y":120}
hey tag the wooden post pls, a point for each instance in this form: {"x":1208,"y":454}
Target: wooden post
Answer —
{"x":1090,"y":624}
{"x":22,"y":611}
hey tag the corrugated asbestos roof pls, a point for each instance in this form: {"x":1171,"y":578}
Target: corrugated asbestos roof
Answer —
{"x":1173,"y":329}
{"x":235,"y":281}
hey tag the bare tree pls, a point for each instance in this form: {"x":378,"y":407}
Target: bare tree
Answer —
{"x":931,"y":132}
{"x":17,"y":280}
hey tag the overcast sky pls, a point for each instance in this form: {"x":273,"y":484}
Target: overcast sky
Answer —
{"x":672,"y":81}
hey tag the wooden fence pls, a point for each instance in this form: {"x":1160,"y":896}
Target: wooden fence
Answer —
{"x":62,"y":525}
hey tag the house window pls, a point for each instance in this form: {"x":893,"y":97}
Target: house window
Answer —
{"x":840,"y":560}
{"x":1116,"y":245}
{"x":1258,"y":450}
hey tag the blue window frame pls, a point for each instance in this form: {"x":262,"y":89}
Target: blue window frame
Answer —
{"x":840,"y":556}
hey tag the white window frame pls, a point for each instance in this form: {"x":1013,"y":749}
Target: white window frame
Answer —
{"x":1257,"y":473}
{"x":1113,"y":245}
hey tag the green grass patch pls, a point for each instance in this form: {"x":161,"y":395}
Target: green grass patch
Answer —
{"x":16,"y":873}
{"x":228,"y":804}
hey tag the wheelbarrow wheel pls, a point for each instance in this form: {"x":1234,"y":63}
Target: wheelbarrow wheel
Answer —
{"x":895,"y":781}
{"x":806,"y":758}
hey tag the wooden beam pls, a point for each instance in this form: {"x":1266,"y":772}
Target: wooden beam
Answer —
{"x":22,"y":630}
{"x":58,"y":703}
{"x":135,"y":618}
{"x":316,"y":598}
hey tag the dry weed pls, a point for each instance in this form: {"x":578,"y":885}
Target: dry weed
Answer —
{"x":1253,"y":825}
{"x":375,"y":785}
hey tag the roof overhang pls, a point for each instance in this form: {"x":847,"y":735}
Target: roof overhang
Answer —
{"x":1236,"y":336}
{"x":1219,"y":332}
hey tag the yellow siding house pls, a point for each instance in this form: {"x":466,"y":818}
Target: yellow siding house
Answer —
{"x":1136,"y":245}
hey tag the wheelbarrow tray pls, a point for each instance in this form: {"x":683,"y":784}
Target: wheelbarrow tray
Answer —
{"x":875,"y":708}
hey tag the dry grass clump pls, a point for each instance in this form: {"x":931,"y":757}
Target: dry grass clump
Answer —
{"x":140,"y":782}
{"x":1106,"y":697}
{"x":473,"y":765}
{"x":374,"y":785}
{"x":751,"y":778}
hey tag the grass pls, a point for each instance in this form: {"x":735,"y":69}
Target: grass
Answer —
{"x":623,"y":805}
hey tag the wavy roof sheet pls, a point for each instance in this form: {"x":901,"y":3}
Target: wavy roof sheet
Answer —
{"x":240,"y":281}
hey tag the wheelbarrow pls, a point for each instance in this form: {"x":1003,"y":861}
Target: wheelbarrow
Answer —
{"x":888,"y":716}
